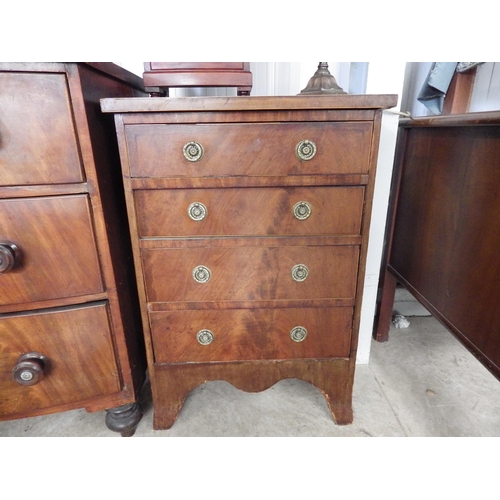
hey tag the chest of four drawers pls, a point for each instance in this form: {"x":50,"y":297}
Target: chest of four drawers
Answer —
{"x":249,"y":229}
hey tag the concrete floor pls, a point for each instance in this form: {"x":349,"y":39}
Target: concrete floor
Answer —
{"x":422,"y":382}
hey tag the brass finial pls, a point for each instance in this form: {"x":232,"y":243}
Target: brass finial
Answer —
{"x":322,"y":82}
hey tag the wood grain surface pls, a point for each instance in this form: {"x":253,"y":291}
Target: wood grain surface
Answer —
{"x":58,"y":252}
{"x":249,"y":179}
{"x":248,"y":149}
{"x":447,"y":230}
{"x":172,"y":383}
{"x":250,"y":273}
{"x":76,"y":340}
{"x":251,"y":211}
{"x":37,"y":136}
{"x":248,"y":334}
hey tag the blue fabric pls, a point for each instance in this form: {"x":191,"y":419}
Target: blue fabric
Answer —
{"x":436,"y":85}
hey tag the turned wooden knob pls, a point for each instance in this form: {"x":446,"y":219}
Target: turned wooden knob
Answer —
{"x":9,"y":255}
{"x":30,"y":368}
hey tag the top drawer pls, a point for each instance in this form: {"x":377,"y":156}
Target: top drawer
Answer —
{"x":37,"y":138}
{"x":250,"y":149}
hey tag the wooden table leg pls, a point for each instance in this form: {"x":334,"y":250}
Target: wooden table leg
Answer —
{"x":386,"y":304}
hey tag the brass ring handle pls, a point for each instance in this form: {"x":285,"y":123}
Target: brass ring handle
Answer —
{"x":298,"y":333}
{"x":305,"y":150}
{"x":302,"y":210}
{"x":31,"y":368}
{"x":9,"y":255}
{"x":193,"y":151}
{"x":201,"y":274}
{"x":197,"y":211}
{"x":205,"y":337}
{"x":300,"y":272}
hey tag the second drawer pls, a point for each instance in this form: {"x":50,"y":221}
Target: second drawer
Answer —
{"x":251,"y":211}
{"x":47,"y":249}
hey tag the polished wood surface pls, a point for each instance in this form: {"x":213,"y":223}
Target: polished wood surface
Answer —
{"x":446,"y":230}
{"x":37,"y":134}
{"x":198,"y":74}
{"x":58,"y":252}
{"x":246,"y":334}
{"x":359,"y":104}
{"x":249,"y":178}
{"x":66,"y":336}
{"x":252,"y":211}
{"x":61,"y":199}
{"x":333,"y":377}
{"x":250,"y":273}
{"x":255,"y":149}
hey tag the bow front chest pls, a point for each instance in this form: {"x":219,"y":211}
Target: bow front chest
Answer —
{"x":70,"y":327}
{"x":249,"y":221}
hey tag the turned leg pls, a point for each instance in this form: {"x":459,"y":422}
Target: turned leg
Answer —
{"x":124,"y":419}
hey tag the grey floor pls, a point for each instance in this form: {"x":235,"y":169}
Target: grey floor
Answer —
{"x":422,"y":382}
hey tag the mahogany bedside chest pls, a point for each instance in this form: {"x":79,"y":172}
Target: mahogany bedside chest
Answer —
{"x":249,"y":220}
{"x":70,"y":324}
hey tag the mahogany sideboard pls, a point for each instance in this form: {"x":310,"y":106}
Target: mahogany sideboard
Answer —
{"x":443,"y":232}
{"x":249,"y":221}
{"x":70,"y":325}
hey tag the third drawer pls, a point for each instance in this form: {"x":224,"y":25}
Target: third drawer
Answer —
{"x":250,"y":273}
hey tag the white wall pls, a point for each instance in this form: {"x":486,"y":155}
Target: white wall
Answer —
{"x":289,"y":78}
{"x":382,"y":78}
{"x":486,"y":92}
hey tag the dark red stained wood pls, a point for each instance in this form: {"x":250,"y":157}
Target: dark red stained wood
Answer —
{"x":250,"y":273}
{"x":248,"y":334}
{"x":66,"y":336}
{"x":114,"y":237}
{"x":248,"y":149}
{"x":446,"y":235}
{"x":37,"y":135}
{"x":253,"y":211}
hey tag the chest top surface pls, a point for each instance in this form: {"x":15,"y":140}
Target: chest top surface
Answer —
{"x":250,"y":103}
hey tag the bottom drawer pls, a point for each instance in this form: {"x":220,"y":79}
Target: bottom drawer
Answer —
{"x":77,"y":343}
{"x":251,"y":334}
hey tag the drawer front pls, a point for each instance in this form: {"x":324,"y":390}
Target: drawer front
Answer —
{"x":77,"y":343}
{"x":252,"y":211}
{"x":58,"y":257}
{"x":38,"y":142}
{"x":250,"y":273}
{"x":251,"y":334}
{"x":251,"y":149}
